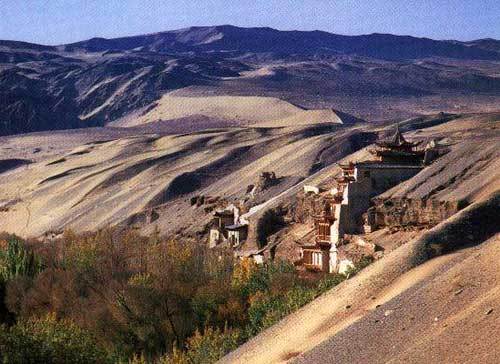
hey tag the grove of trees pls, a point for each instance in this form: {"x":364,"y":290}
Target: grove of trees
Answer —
{"x":119,"y":297}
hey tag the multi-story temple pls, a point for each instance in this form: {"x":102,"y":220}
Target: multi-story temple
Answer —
{"x":395,"y":160}
{"x":317,"y":256}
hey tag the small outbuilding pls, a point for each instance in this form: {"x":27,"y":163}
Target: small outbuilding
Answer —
{"x":236,"y":234}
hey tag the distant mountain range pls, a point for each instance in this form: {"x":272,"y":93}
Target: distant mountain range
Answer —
{"x":100,"y":80}
{"x":236,"y":41}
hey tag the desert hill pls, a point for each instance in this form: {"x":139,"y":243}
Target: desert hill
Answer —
{"x":372,"y":77}
{"x":170,"y":163}
{"x":409,"y":306}
{"x":244,"y":110}
{"x":88,"y":178}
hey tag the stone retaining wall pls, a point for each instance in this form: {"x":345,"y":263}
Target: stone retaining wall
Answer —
{"x":403,"y":212}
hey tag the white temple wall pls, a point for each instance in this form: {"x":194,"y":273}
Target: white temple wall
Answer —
{"x":333,"y":261}
{"x":370,"y":181}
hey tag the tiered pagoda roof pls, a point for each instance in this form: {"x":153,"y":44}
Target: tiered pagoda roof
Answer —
{"x":397,"y":150}
{"x":396,"y":141}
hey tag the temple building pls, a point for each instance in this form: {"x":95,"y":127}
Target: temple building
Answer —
{"x":398,"y":151}
{"x":394,"y":161}
{"x":318,"y":256}
{"x":227,"y":227}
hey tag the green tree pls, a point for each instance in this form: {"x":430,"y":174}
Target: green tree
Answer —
{"x":16,"y":260}
{"x":49,"y":341}
{"x":205,"y":347}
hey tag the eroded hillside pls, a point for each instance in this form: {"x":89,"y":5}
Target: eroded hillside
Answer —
{"x":407,"y":307}
{"x":149,"y":179}
{"x":96,"y":177}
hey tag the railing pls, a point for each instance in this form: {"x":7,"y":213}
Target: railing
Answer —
{"x":320,"y":238}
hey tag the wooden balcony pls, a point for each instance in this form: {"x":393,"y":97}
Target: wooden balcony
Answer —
{"x":323,"y":239}
{"x":345,"y":179}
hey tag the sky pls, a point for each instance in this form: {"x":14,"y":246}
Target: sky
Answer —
{"x":64,"y":21}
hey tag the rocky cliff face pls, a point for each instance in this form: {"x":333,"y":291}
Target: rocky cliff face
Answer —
{"x":306,"y":206}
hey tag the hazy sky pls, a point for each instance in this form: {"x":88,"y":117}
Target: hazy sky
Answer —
{"x":63,"y":21}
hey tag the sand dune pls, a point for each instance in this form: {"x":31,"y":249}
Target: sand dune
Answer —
{"x":92,"y":178}
{"x":121,"y":180}
{"x":254,"y":110}
{"x":306,"y":117}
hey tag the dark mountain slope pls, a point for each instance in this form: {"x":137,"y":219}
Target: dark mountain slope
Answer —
{"x":486,"y":43}
{"x":237,"y":40}
{"x":93,"y":82}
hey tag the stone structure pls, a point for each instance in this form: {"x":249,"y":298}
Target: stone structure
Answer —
{"x":227,"y":226}
{"x":395,"y":160}
{"x":236,"y":234}
{"x":265,"y":181}
{"x":311,"y":189}
{"x":405,"y":212}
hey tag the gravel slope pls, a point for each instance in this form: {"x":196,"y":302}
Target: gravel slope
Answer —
{"x":451,"y":316}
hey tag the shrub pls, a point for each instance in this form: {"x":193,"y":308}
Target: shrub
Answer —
{"x":48,"y":340}
{"x":298,"y":297}
{"x":140,"y":297}
{"x":250,"y":278}
{"x":16,"y":260}
{"x":263,"y":311}
{"x":266,"y":310}
{"x":206,"y":347}
{"x":242,"y":274}
{"x":361,"y":264}
{"x":329,"y":282}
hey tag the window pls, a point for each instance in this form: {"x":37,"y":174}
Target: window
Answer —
{"x":323,"y":231}
{"x":234,"y":239}
{"x":317,"y":259}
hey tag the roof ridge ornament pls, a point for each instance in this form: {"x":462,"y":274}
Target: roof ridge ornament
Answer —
{"x":398,"y":137}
